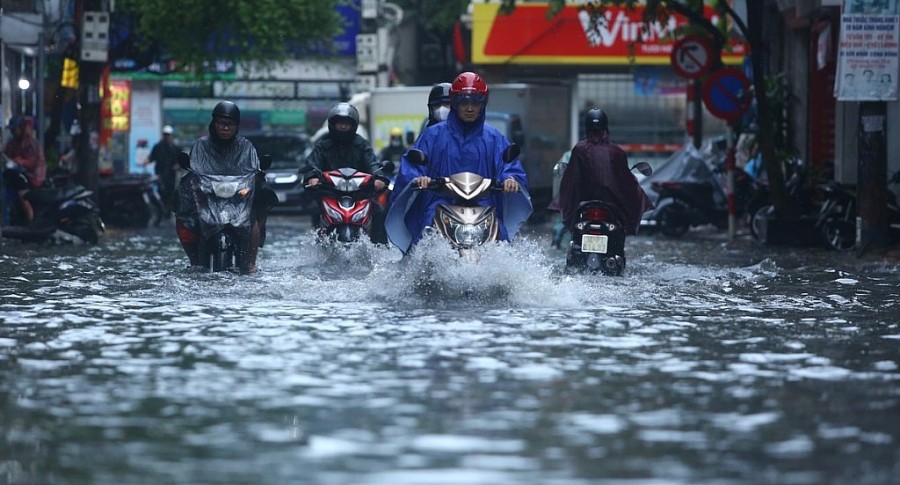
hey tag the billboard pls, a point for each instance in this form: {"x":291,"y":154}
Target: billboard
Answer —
{"x":526,"y":36}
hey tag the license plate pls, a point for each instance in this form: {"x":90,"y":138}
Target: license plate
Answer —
{"x":282,"y":195}
{"x":594,"y":244}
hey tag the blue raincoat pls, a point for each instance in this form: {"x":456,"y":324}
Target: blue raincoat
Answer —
{"x":452,"y":147}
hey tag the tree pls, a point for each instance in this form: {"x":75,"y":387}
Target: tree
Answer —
{"x":197,"y":33}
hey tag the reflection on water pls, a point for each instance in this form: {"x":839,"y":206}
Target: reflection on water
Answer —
{"x":703,"y":365}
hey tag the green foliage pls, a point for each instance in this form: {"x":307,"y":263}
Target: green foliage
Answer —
{"x":199,"y":32}
{"x":781,"y":100}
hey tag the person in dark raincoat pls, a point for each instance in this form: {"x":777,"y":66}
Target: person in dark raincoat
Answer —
{"x":464,"y":143}
{"x":342,"y":147}
{"x":222,"y":152}
{"x":598,"y":169}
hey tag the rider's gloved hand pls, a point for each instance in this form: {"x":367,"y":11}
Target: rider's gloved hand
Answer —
{"x":379,"y":185}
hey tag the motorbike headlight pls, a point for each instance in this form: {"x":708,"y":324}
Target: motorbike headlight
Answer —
{"x":469,"y":235}
{"x":332,"y":213}
{"x":359,"y":216}
{"x":284,"y":179}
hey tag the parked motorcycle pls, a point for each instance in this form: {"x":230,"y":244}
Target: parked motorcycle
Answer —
{"x":464,"y":222}
{"x":683,"y":205}
{"x":224,"y":204}
{"x":131,"y":201}
{"x":801,"y":196}
{"x":598,"y":238}
{"x":65,"y":214}
{"x":837,"y":217}
{"x":346,"y":203}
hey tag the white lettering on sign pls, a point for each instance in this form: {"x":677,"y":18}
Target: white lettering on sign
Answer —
{"x":619,"y":28}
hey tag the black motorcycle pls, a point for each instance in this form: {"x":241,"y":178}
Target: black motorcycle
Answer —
{"x":682,"y":205}
{"x":837,"y":216}
{"x":64,"y":214}
{"x":598,"y":238}
{"x":130,"y":201}
{"x":224,"y":206}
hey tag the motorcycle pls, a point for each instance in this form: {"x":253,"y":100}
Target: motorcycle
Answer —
{"x":131,"y":201}
{"x":464,"y":222}
{"x":224,"y":204}
{"x":345,"y":202}
{"x":682,"y":205}
{"x":837,"y":217}
{"x":598,"y":238}
{"x":65,"y":214}
{"x":800,"y":195}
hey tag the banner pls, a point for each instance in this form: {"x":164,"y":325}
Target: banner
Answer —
{"x":868,"y":51}
{"x":526,"y":36}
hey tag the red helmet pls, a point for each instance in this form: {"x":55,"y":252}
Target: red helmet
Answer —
{"x":469,"y":85}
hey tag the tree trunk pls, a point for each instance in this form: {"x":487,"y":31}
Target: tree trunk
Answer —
{"x":755,"y":14}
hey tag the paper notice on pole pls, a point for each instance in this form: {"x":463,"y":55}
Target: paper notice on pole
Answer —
{"x":868,"y":65}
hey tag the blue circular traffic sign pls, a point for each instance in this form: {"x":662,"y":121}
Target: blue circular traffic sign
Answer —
{"x":726,"y":94}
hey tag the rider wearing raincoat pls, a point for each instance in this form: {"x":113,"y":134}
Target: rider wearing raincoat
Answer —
{"x":223,"y":152}
{"x":464,"y":143}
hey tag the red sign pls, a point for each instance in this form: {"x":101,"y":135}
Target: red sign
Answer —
{"x":692,"y":57}
{"x":526,"y":36}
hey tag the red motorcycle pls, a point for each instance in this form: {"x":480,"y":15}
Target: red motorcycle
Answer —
{"x":346,"y":205}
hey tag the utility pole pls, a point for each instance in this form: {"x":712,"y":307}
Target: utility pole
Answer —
{"x":871,"y":187}
{"x":94,"y":22}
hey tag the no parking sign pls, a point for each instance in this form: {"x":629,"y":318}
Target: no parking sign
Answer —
{"x":726,"y":94}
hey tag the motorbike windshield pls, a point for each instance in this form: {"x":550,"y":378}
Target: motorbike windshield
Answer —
{"x":225,"y":200}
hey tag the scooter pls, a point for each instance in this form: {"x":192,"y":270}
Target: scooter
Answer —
{"x":61,"y":215}
{"x":837,"y":217}
{"x":464,"y":222}
{"x":130,"y":201}
{"x":683,"y":205}
{"x":224,"y":204}
{"x":346,"y":205}
{"x":598,"y":238}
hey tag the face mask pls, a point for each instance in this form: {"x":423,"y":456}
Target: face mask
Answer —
{"x":441,"y":113}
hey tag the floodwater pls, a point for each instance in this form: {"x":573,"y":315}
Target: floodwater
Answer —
{"x":707,"y":363}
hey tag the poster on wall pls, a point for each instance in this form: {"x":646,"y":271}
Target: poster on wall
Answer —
{"x":868,"y":51}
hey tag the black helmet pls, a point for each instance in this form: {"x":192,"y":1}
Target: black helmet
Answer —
{"x":345,"y":111}
{"x":440,"y":93}
{"x":227,"y":109}
{"x":595,"y":120}
{"x":16,"y":121}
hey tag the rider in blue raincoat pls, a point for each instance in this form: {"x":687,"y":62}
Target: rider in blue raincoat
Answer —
{"x":464,"y":143}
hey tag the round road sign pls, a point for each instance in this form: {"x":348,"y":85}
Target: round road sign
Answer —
{"x":726,"y":94}
{"x":692,"y":57}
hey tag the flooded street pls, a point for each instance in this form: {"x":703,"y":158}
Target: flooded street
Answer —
{"x":705,"y":364}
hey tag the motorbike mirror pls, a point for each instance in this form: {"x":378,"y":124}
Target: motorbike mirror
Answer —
{"x":184,"y":160}
{"x":388,"y":166}
{"x":511,"y":152}
{"x":410,"y":137}
{"x":265,"y":162}
{"x":644,"y":168}
{"x":417,"y":156}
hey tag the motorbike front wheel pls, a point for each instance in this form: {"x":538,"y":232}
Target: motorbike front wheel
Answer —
{"x":839,"y":233}
{"x":86,"y":227}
